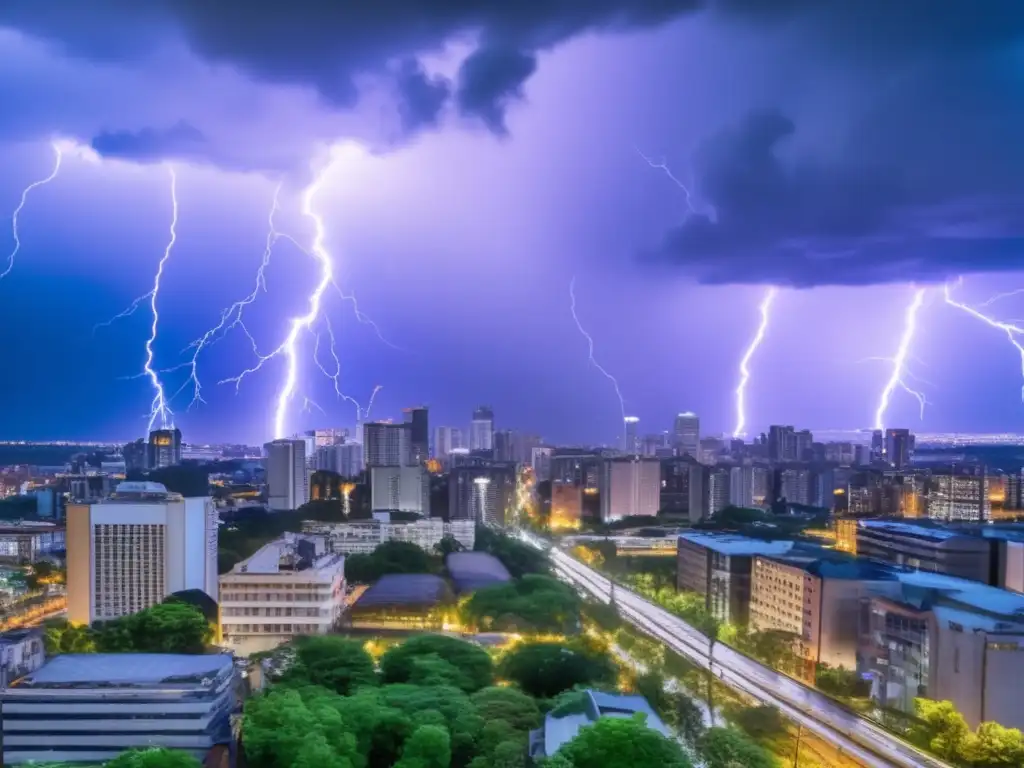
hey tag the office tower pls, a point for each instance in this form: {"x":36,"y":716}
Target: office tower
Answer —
{"x":803,"y":442}
{"x":877,"y":445}
{"x":503,"y":446}
{"x":405,"y":489}
{"x":686,"y":433}
{"x":540,"y":460}
{"x":898,"y":447}
{"x":345,"y":459}
{"x":485,"y":494}
{"x":630,"y":440}
{"x":741,"y":486}
{"x":136,"y":456}
{"x":959,"y":497}
{"x":795,"y":485}
{"x":655,"y":445}
{"x":419,"y":434}
{"x":718,"y":489}
{"x":630,"y":487}
{"x":781,"y":443}
{"x":843,"y":454}
{"x":481,"y":429}
{"x":164,"y":448}
{"x":386,"y":444}
{"x":675,"y":484}
{"x":522,"y":447}
{"x":130,"y":551}
{"x":287,"y":476}
{"x":446,"y":439}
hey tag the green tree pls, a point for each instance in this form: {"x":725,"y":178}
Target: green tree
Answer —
{"x":169,"y":628}
{"x":158,"y":757}
{"x":727,"y":747}
{"x":390,"y":557}
{"x":531,"y":604}
{"x":507,"y":704}
{"x":337,"y":663}
{"x":940,"y":728}
{"x":447,"y":545}
{"x":760,"y":723}
{"x":621,"y":742}
{"x":61,"y":636}
{"x":546,"y":669}
{"x":397,"y":665}
{"x":839,"y":681}
{"x":519,"y":558}
{"x":675,"y":708}
{"x":428,"y":747}
{"x":279,"y":724}
{"x":993,"y":745}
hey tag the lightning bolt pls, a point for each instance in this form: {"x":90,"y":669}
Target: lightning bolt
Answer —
{"x":662,"y":165}
{"x":897,"y":377}
{"x":311,"y":321}
{"x":741,"y":388}
{"x":159,"y":407}
{"x":58,"y":156}
{"x":1011,"y":330}
{"x":590,"y":351}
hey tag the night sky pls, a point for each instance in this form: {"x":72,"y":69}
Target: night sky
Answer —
{"x":493,"y":151}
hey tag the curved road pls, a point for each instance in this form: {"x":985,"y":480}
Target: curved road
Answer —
{"x":857,"y":736}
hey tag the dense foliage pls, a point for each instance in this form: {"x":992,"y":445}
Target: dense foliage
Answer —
{"x":153,"y":758}
{"x":519,"y":558}
{"x":532,"y":604}
{"x":390,"y":557}
{"x":471,"y":663}
{"x":943,"y":730}
{"x":546,"y":669}
{"x":619,"y":742}
{"x":727,"y":748}
{"x":170,"y":627}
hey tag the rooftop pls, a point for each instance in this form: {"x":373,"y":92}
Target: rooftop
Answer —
{"x":135,"y":491}
{"x":733,"y":544}
{"x":918,"y":530}
{"x":473,"y":570}
{"x":289,"y":554}
{"x":404,"y":589}
{"x":560,"y":730}
{"x":127,"y":669}
{"x":829,"y":564}
{"x":969,"y":595}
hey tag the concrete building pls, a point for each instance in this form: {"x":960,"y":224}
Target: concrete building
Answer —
{"x":164,"y":448}
{"x":365,"y":537}
{"x":417,"y":422}
{"x":927,"y":548}
{"x":344,"y":458}
{"x":540,"y":460}
{"x":675,"y":484}
{"x":947,"y":639}
{"x":22,"y":652}
{"x":795,"y":485}
{"x":899,"y":446}
{"x":686,"y":434}
{"x":386,"y":444}
{"x":25,"y":542}
{"x":130,"y":551}
{"x":631,"y":436}
{"x":290,"y":587}
{"x":484,"y":494}
{"x":630,"y":487}
{"x":481,"y":429}
{"x":566,"y":506}
{"x":719,"y":566}
{"x":287,"y":474}
{"x":815,"y":595}
{"x":447,"y":439}
{"x":403,"y":489}
{"x":957,"y":497}
{"x":89,"y":708}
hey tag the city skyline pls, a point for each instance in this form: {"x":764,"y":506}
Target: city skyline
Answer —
{"x":671,"y":170}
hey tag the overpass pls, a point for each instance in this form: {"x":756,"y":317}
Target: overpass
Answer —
{"x":854,"y":735}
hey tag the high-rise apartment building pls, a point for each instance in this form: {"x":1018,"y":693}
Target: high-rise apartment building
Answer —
{"x":540,"y":460}
{"x":164,"y":448}
{"x":741,"y":486}
{"x":130,"y":551}
{"x":481,"y":429}
{"x":795,"y":485}
{"x":898,"y":448}
{"x":686,"y":433}
{"x":962,"y":497}
{"x":416,"y":421}
{"x":405,"y":489}
{"x":446,"y":439}
{"x":485,"y":494}
{"x":631,"y":438}
{"x":386,"y":444}
{"x":630,"y":487}
{"x":325,"y":437}
{"x":287,"y":474}
{"x":346,"y":459}
{"x":136,"y":456}
{"x":504,"y":445}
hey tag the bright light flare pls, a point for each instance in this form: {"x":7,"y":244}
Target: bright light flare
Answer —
{"x":741,"y":389}
{"x":897,"y":378}
{"x":160,"y":407}
{"x":58,"y":156}
{"x":590,"y":352}
{"x":1011,"y":330}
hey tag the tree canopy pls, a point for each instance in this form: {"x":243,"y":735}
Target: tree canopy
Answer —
{"x":399,"y":663}
{"x":727,"y":748}
{"x":153,"y":758}
{"x":546,"y":669}
{"x":169,"y":627}
{"x":620,"y":742}
{"x":390,"y":557}
{"x":533,"y":603}
{"x":336,"y":663}
{"x":518,"y":558}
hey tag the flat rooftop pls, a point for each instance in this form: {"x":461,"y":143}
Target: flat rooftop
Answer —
{"x":911,"y":529}
{"x":733,"y":544}
{"x":126,"y":669}
{"x":267,"y":559}
{"x":473,"y":570}
{"x":398,"y":589}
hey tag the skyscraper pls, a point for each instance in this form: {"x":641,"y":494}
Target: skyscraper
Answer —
{"x":686,"y":434}
{"x":898,"y":448}
{"x":164,"y":448}
{"x":287,"y":475}
{"x":406,"y":489}
{"x":629,"y":487}
{"x":386,"y":444}
{"x":484,"y":494}
{"x":130,"y":551}
{"x":631,"y":440}
{"x":481,"y":429}
{"x":446,"y":439}
{"x":345,"y":459}
{"x":416,"y":422}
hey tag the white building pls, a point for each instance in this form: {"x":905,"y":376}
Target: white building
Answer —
{"x":386,"y":444}
{"x":540,"y":460}
{"x":406,"y":489}
{"x":630,"y":487}
{"x":344,"y":458}
{"x":446,"y":439}
{"x":365,"y":537}
{"x":287,"y":475}
{"x":686,"y":434}
{"x":290,"y":587}
{"x":631,"y":438}
{"x":130,"y":551}
{"x":481,"y":429}
{"x":741,"y":486}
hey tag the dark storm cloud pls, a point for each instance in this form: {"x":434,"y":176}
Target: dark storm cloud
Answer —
{"x":489,"y":79}
{"x":181,"y":141}
{"x":421,"y":97}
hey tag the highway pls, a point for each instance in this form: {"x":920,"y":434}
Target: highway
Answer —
{"x":855,"y":735}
